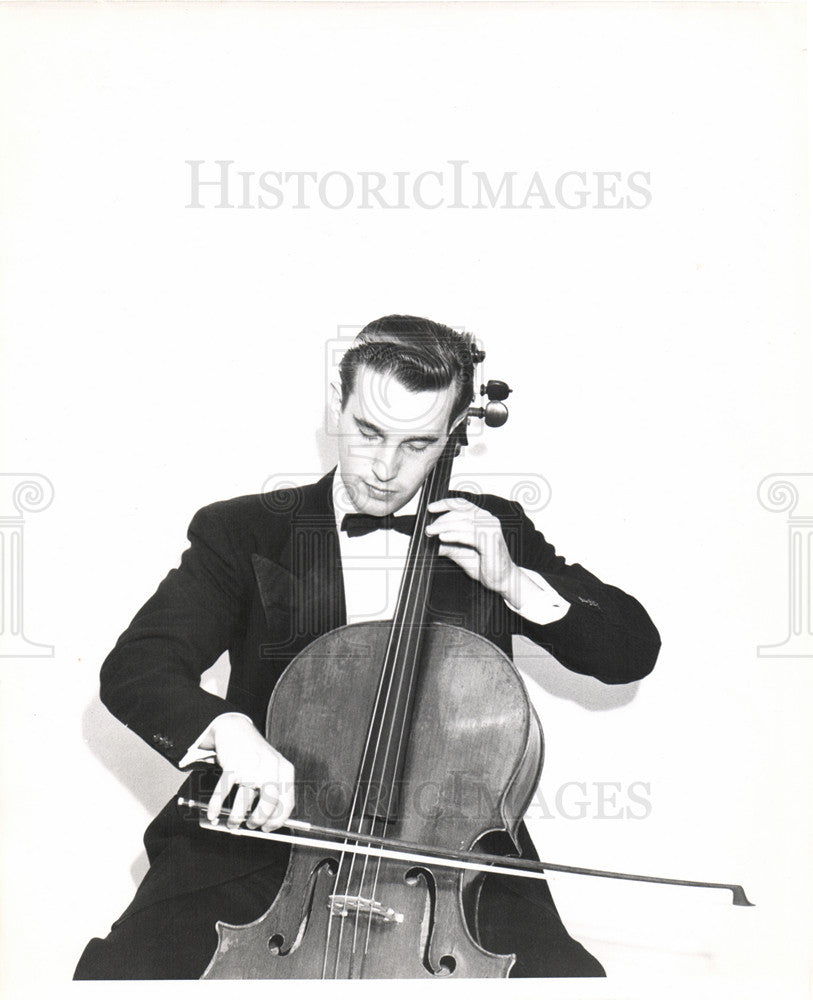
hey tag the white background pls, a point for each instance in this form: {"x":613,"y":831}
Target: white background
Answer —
{"x":157,"y":358}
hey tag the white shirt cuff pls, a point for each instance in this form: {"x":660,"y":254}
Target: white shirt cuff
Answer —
{"x":196,"y":754}
{"x":538,"y":601}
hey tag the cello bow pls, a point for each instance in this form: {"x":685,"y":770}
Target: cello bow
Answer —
{"x":368,"y":844}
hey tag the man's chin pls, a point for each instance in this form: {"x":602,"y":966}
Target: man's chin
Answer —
{"x":377,"y":507}
{"x":378,"y":502}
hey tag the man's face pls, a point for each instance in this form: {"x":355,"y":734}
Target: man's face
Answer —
{"x":389,"y":439}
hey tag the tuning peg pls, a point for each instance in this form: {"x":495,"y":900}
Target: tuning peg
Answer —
{"x":495,"y":414}
{"x":496,"y":390}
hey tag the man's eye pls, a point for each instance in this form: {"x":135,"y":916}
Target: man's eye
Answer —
{"x":369,"y":435}
{"x":417,"y":445}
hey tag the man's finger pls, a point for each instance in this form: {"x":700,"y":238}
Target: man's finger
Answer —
{"x":449,"y":518}
{"x":283,"y":809}
{"x":466,"y":558}
{"x":451,"y":503}
{"x":464,"y":518}
{"x":242,"y":804}
{"x":460,"y":536}
{"x":224,"y":785}
{"x":274,"y":805}
{"x":266,"y":805}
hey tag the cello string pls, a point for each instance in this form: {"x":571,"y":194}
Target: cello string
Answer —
{"x":402,"y":631}
{"x":418,"y":596}
{"x":404,"y":628}
{"x":366,"y":761}
{"x":353,"y":807}
{"x":422,"y":558}
{"x":361,"y":821}
{"x":403,"y":599}
{"x":416,"y":579}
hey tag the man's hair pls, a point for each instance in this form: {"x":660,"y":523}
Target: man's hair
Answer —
{"x":420,"y":353}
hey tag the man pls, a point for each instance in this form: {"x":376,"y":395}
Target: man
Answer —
{"x":264,"y":576}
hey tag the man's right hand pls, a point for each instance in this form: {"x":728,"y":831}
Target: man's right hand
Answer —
{"x":252,"y":764}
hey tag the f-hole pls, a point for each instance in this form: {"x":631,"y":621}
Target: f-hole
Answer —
{"x":415,"y":877}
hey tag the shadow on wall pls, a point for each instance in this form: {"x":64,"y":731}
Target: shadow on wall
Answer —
{"x":147,"y":776}
{"x":587,"y":692}
{"x":325,"y":444}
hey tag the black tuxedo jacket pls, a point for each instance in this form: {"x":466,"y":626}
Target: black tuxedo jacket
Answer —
{"x":262,"y":578}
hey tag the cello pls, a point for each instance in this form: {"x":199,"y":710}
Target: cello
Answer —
{"x":448,"y":749}
{"x":372,"y":716}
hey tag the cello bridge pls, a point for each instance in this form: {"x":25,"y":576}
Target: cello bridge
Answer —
{"x":346,"y":906}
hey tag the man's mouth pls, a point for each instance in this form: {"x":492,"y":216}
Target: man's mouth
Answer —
{"x":377,"y":492}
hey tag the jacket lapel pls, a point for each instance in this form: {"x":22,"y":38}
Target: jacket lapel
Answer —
{"x":302,"y":584}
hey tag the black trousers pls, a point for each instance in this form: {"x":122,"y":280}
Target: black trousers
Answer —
{"x":175,"y":938}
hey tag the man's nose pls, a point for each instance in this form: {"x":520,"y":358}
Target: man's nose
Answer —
{"x":385,"y":463}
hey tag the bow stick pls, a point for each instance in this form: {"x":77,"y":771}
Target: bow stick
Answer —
{"x":404,"y":851}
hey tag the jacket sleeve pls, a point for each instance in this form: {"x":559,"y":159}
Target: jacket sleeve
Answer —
{"x":605,"y":633}
{"x":151,"y":679}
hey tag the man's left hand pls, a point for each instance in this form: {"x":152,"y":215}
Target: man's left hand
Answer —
{"x":473,"y":538}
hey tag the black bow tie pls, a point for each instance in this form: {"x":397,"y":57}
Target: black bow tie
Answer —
{"x":363,"y":524}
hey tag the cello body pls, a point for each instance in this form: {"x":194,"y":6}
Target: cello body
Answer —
{"x":470,"y":764}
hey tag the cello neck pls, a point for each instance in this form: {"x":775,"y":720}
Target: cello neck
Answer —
{"x":410,"y":611}
{"x":381,"y":769}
